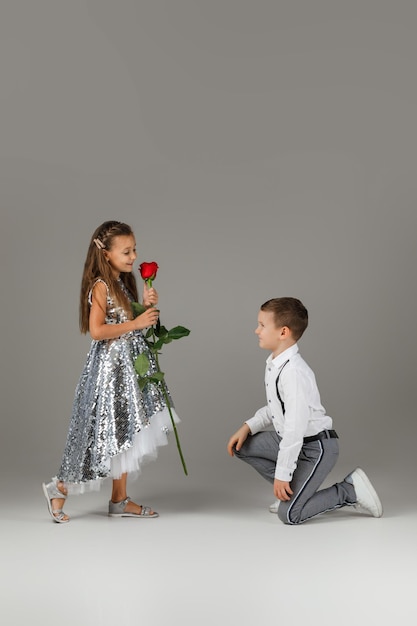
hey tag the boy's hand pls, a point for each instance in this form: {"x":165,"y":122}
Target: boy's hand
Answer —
{"x":282,"y":490}
{"x":238,"y":438}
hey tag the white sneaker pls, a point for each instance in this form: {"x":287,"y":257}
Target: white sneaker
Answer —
{"x":273,"y":508}
{"x":367,"y":497}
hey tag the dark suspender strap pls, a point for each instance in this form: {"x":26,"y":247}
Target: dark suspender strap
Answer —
{"x":324,"y":434}
{"x":276,"y":384}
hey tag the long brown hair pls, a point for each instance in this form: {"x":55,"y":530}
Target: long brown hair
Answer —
{"x":96,"y":266}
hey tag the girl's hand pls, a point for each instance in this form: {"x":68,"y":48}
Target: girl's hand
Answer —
{"x":150,"y":296}
{"x":148,"y":318}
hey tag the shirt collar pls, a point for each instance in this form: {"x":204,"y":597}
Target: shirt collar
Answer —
{"x":284,"y":356}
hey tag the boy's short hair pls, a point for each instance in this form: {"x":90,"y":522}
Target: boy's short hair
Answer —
{"x":288,"y":312}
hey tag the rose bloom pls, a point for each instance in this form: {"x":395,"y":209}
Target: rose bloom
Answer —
{"x":148,"y":270}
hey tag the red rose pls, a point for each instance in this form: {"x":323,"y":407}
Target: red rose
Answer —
{"x":148,"y":270}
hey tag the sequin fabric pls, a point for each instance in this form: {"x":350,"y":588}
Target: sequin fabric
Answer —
{"x":109,"y":410}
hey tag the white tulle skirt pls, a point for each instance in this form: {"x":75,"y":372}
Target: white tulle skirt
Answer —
{"x":143,"y":449}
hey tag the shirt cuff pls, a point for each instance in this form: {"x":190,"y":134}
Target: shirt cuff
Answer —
{"x":252,"y":425}
{"x":283,"y":474}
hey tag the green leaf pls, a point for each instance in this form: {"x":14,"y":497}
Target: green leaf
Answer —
{"x":137,"y":308}
{"x":178,"y":332}
{"x":142,"y":364}
{"x":161,"y":331}
{"x":157,"y":377}
{"x":158,"y":344}
{"x":142,"y":383}
{"x":149,"y":333}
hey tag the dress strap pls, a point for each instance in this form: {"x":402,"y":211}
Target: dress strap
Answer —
{"x":90,"y":293}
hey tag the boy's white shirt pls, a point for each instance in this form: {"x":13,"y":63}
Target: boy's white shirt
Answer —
{"x":304,"y":413}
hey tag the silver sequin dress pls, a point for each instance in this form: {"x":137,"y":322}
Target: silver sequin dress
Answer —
{"x":115,"y":427}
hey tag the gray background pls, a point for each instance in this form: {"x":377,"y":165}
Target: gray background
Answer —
{"x":258,"y":150}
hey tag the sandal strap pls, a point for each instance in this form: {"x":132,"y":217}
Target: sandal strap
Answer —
{"x":58,"y":514}
{"x":146,"y":510}
{"x":118,"y":507}
{"x":54,"y":492}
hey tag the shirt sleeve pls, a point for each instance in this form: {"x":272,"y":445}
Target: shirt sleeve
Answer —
{"x":297,"y":412}
{"x":261,"y":420}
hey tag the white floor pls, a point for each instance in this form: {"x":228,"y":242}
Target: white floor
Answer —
{"x":214,"y":556}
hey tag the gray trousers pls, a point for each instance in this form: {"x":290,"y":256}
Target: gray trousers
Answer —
{"x":316,"y":460}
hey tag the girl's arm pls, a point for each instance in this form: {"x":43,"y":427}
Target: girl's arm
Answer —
{"x":97,"y":321}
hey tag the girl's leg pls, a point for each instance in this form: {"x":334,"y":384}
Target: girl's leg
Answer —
{"x":119,"y":493}
{"x":58,"y":503}
{"x":55,"y":504}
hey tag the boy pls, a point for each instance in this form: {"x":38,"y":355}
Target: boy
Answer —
{"x":302,"y":448}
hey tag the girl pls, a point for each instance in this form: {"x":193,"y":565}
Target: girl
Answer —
{"x":114,"y":426}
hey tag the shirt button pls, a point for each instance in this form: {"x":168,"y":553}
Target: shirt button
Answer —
{"x":269,"y":400}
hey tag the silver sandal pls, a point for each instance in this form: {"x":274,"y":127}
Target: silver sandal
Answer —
{"x":51,"y":492}
{"x":117,"y":509}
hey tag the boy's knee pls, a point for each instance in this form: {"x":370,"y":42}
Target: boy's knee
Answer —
{"x":282,"y":512}
{"x":237,"y":453}
{"x":287,"y":515}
